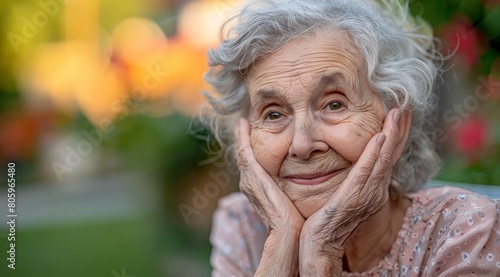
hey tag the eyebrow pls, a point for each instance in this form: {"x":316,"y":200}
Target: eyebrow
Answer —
{"x":266,"y":93}
{"x":326,"y":79}
{"x":334,"y":78}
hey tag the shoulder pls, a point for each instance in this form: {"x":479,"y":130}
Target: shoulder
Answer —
{"x":237,"y":237}
{"x":452,"y":203}
{"x":235,"y":209}
{"x":452,"y":212}
{"x":464,"y":228}
{"x":235,"y":201}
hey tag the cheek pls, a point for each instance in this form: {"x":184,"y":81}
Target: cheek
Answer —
{"x":349,"y":140}
{"x":269,"y":149}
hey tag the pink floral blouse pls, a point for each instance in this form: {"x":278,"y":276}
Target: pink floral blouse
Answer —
{"x":446,"y":232}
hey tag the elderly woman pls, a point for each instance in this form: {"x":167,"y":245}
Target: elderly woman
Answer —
{"x":332,"y":109}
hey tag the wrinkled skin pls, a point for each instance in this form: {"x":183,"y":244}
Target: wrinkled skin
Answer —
{"x":309,"y":137}
{"x":316,"y":155}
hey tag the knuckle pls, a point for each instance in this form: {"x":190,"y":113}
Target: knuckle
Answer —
{"x":364,"y":173}
{"x":385,"y":161}
{"x":242,"y":158}
{"x":244,"y":187}
{"x":246,"y":184}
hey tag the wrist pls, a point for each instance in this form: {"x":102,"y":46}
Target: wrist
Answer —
{"x":289,"y":231}
{"x":321,"y":264}
{"x":320,"y":256}
{"x":280,"y":253}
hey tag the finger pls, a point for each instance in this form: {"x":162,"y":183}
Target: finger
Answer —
{"x":246,"y":159}
{"x":373,"y":165}
{"x":264,"y":194}
{"x":391,"y":130}
{"x":244,"y":155}
{"x":375,"y":161}
{"x":383,"y":164}
{"x":236,"y":132}
{"x":362,"y":169}
{"x":244,"y":152}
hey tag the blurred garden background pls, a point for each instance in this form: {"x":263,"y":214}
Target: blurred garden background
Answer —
{"x":114,"y":175}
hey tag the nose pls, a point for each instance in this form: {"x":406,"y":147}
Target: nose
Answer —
{"x":307,"y":139}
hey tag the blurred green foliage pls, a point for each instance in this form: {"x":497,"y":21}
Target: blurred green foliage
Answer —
{"x":92,"y":249}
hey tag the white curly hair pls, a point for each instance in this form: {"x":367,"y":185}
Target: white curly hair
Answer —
{"x":401,"y":58}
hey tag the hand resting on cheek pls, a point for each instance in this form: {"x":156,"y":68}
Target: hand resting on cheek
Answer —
{"x":316,"y":246}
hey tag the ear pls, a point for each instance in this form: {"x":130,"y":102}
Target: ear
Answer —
{"x":404,"y":126}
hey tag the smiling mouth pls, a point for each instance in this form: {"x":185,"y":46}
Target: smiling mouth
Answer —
{"x":312,"y":179}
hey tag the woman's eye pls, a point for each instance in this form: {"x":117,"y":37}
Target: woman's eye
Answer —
{"x":335,"y":106}
{"x":274,"y":116}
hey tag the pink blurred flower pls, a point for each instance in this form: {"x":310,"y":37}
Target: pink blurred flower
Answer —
{"x":471,"y":136}
{"x":462,"y":36}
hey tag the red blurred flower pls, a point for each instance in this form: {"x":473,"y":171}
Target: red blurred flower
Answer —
{"x":20,"y":131}
{"x":471,"y":136}
{"x":465,"y":39}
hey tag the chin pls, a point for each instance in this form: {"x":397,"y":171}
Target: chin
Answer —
{"x":310,"y":199}
{"x":309,"y":205}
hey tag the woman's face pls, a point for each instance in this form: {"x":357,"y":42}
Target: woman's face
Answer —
{"x":312,"y":113}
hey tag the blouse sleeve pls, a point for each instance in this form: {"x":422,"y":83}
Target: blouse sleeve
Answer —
{"x":236,"y":238}
{"x":471,"y":246}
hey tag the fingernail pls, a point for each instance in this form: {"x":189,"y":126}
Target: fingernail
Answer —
{"x":397,"y":115}
{"x":380,"y":138}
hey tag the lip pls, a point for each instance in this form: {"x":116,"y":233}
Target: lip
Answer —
{"x":312,"y":179}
